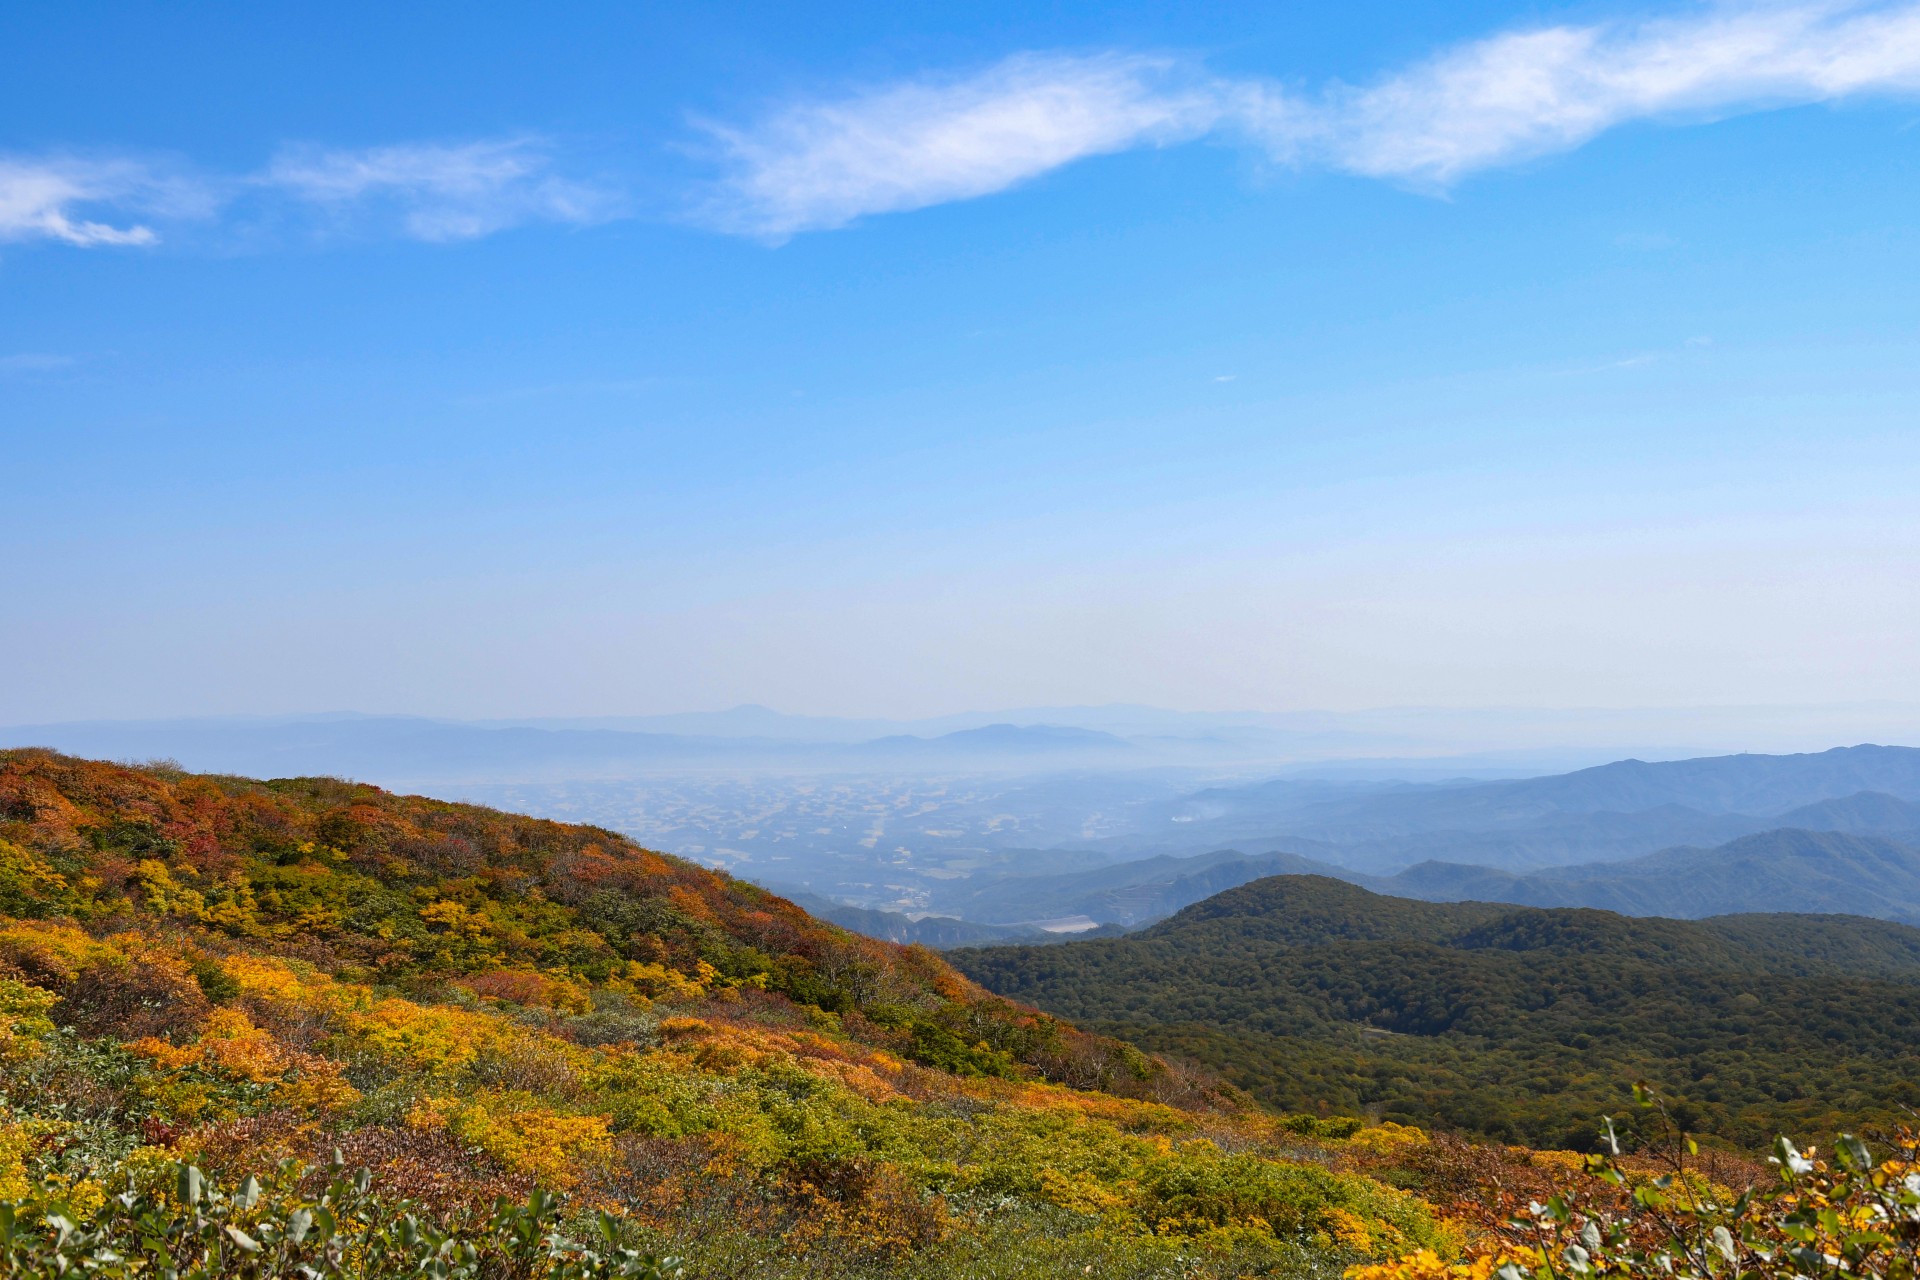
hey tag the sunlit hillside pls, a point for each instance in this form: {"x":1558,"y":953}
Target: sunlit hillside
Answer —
{"x":248,"y":978}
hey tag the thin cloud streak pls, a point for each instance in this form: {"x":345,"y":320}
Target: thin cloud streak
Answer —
{"x":42,"y":199}
{"x":1496,"y":101}
{"x":442,"y":192}
{"x":424,"y":191}
{"x":821,"y":165}
{"x":817,"y":165}
{"x":1531,"y":93}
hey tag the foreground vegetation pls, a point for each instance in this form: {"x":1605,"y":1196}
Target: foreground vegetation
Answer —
{"x":554,"y":1053}
{"x":1517,"y":1024}
{"x":1676,"y":1217}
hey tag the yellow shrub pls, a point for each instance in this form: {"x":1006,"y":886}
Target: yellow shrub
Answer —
{"x":235,"y":910}
{"x":182,"y":1101}
{"x":658,"y":982}
{"x":523,"y":1134}
{"x":1385,"y":1138}
{"x":436,"y":1038}
{"x":234,"y":1044}
{"x":1082,"y":1193}
{"x":82,"y":1196}
{"x":26,"y":876}
{"x":23,"y":1019}
{"x":319,"y":1085}
{"x":1347,"y":1230}
{"x":167,"y":896}
{"x":1570,"y":1161}
{"x":274,"y":981}
{"x":169,"y":1057}
{"x":1427,"y":1265}
{"x":17,"y":1138}
{"x":59,"y":950}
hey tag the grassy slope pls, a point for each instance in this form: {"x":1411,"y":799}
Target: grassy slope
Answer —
{"x":1518,"y":1023}
{"x":471,"y":1003}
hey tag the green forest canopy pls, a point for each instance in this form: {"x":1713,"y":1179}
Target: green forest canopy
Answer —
{"x":1514,"y":1023}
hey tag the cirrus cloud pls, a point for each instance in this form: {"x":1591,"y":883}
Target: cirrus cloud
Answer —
{"x":1504,"y":98}
{"x":441,"y":191}
{"x":424,"y":191}
{"x":906,"y":146}
{"x":66,"y":198}
{"x":825,"y":162}
{"x":1528,"y":93}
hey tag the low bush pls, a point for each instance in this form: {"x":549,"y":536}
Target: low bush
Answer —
{"x":1668,"y":1218}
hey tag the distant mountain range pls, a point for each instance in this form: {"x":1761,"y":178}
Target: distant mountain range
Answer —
{"x":1405,"y":744}
{"x":1857,"y":854}
{"x":1753,"y":784}
{"x":398,"y":749}
{"x":1608,"y":812}
{"x":1785,"y":870}
{"x":1005,"y":824}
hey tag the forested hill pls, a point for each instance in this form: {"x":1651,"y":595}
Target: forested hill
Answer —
{"x":1519,"y":1023}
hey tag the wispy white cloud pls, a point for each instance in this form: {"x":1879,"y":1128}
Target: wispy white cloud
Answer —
{"x":1529,"y":93}
{"x":65,"y":199}
{"x":441,"y":191}
{"x":823,"y":163}
{"x":906,"y":146}
{"x":428,"y":191}
{"x":1494,"y":101}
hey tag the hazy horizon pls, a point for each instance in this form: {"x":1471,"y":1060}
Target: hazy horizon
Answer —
{"x":1407,"y":743}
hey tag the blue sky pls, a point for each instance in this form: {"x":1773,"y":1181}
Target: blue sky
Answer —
{"x":894,"y":360}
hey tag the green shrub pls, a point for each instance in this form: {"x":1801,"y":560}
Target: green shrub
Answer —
{"x":195,"y":1228}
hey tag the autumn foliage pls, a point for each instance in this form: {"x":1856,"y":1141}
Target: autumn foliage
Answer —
{"x":285,"y":979}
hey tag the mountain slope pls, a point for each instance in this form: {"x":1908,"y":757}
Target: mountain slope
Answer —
{"x":1508,"y":1021}
{"x":1617,"y":810}
{"x":1863,"y":813}
{"x":407,"y":890}
{"x":1752,"y":784}
{"x":250,"y":976}
{"x":1810,"y":871}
